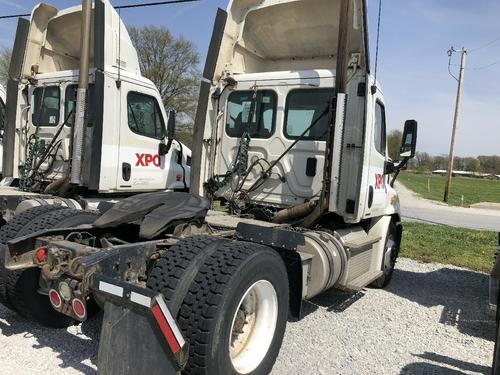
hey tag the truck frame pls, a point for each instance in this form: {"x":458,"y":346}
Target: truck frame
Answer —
{"x":290,"y":139}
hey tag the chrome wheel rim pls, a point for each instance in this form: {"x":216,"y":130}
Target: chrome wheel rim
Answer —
{"x":253,"y":327}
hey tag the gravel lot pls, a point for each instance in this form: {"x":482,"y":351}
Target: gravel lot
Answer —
{"x":433,"y":319}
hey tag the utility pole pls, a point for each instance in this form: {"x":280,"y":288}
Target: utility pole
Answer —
{"x":455,"y":123}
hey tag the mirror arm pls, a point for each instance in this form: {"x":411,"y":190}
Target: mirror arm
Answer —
{"x":398,"y":170}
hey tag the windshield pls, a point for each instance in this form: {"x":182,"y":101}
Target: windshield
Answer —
{"x":241,"y":105}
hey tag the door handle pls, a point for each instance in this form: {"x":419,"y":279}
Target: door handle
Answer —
{"x":126,"y":171}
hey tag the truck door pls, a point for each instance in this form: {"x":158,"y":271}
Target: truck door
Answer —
{"x":377,"y":179}
{"x":142,"y":129}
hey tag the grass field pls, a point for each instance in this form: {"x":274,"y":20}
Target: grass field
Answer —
{"x":439,"y":244}
{"x":474,"y":190}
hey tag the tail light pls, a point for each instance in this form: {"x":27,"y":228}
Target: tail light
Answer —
{"x":55,"y":298}
{"x":41,"y":254}
{"x":79,"y":309}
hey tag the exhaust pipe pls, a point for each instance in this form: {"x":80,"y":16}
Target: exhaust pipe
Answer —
{"x":81,"y":97}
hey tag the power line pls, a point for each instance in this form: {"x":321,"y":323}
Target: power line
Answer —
{"x":129,"y":6}
{"x":486,"y":66}
{"x":451,"y":51}
{"x":486,"y":45}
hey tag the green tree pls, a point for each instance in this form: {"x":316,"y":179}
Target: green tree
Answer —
{"x":472,"y":165}
{"x":394,"y":143}
{"x":5,"y":54}
{"x":171,"y":63}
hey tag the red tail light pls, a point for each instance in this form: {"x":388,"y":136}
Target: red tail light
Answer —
{"x":55,"y":298}
{"x":41,"y":254}
{"x":79,"y":308}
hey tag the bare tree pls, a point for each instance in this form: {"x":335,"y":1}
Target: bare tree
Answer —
{"x":5,"y":54}
{"x":171,"y":63}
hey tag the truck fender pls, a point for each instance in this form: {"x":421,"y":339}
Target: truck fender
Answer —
{"x":379,"y":227}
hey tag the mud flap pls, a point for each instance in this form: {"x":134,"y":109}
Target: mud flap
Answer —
{"x":138,"y":335}
{"x":129,"y":345}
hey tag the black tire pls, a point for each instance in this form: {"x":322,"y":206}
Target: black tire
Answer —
{"x":213,"y":297}
{"x":22,"y":287}
{"x":174,"y":272}
{"x":392,"y":235}
{"x":10,"y":231}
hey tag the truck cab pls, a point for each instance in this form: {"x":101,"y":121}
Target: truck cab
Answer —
{"x":273,"y":90}
{"x":125,"y":119}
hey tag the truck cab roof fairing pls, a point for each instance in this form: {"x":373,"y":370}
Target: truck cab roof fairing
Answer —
{"x":276,"y":35}
{"x":54,"y":41}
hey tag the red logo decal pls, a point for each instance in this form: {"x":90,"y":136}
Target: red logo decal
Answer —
{"x":379,"y":181}
{"x":144,"y":160}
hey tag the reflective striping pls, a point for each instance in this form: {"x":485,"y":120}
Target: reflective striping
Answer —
{"x":165,"y":328}
{"x":111,"y":289}
{"x":140,"y":299}
{"x":170,"y":319}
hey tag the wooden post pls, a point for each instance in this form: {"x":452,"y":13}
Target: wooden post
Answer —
{"x":455,"y":125}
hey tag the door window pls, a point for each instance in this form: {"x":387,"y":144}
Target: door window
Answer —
{"x":47,"y":105}
{"x":144,"y":115}
{"x":303,"y":107}
{"x":379,"y":131}
{"x":70,"y":101}
{"x":241,"y":104}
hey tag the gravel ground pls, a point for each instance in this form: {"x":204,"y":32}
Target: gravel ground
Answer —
{"x":433,"y":319}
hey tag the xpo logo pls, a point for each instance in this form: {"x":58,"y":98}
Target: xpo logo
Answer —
{"x":379,"y":181}
{"x":144,"y":160}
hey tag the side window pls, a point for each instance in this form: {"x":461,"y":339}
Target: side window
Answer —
{"x":379,"y":131}
{"x":70,"y":101}
{"x":144,"y":115}
{"x":2,"y":114}
{"x":241,"y":104}
{"x":303,"y":108}
{"x":47,"y":105}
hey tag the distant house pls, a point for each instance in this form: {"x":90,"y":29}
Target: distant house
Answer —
{"x":442,"y":172}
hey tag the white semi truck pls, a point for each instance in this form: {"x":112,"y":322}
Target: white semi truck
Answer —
{"x":121,"y":147}
{"x":290,"y":136}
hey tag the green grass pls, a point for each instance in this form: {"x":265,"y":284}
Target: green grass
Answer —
{"x":474,"y":190}
{"x":439,"y":244}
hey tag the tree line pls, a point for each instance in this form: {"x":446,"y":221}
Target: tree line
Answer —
{"x":425,"y":162}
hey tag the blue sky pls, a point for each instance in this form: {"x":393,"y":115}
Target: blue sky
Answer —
{"x":415,"y":36}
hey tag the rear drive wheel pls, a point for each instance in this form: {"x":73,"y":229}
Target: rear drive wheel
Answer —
{"x":391,"y":252}
{"x":234,"y":312}
{"x":23,"y":288}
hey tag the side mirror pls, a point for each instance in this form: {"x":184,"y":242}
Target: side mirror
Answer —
{"x":171,"y":125}
{"x":163,"y":148}
{"x":409,"y":142}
